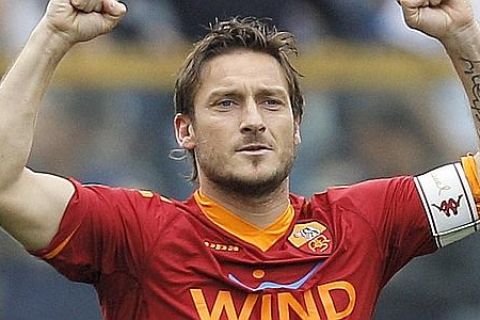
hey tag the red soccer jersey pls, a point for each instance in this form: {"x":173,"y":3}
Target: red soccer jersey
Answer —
{"x":152,"y":258}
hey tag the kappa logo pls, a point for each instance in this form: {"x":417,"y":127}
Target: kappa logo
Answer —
{"x":311,"y":237}
{"x":449,"y":206}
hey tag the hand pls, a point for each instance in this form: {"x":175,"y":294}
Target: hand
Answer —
{"x":83,"y":20}
{"x":442,"y":19}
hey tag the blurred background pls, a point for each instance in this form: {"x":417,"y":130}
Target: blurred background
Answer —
{"x":381,"y":101}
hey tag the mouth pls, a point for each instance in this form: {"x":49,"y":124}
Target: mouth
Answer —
{"x":255,"y":148}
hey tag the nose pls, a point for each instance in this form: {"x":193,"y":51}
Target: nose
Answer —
{"x":252,"y":119}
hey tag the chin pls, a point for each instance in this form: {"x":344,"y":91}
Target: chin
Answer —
{"x":248,"y":178}
{"x":254,"y":184}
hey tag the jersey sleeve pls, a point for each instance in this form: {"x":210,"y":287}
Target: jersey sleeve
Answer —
{"x":104,"y":230}
{"x":393,"y":210}
{"x":413,"y":216}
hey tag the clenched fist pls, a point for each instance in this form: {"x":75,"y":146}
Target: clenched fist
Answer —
{"x":442,"y":19}
{"x":83,"y":20}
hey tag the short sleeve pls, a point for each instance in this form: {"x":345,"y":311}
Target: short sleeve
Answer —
{"x":393,"y":210}
{"x":104,"y":230}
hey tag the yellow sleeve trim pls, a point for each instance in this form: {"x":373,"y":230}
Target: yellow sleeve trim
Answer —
{"x":55,"y":252}
{"x":470,"y":168}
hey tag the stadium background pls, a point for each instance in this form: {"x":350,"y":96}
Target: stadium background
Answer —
{"x":381,"y":101}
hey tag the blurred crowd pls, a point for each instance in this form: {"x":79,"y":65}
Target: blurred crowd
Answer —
{"x":123,"y":137}
{"x":168,"y":21}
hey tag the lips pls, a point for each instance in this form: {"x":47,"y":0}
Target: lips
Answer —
{"x":254,"y":147}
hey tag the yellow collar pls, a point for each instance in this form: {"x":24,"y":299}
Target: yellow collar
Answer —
{"x":263,"y":239}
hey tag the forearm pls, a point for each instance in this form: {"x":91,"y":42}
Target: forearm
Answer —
{"x":464,"y":52}
{"x":35,"y":222}
{"x":21,"y":92}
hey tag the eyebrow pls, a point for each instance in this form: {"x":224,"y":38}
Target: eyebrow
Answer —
{"x":264,"y":91}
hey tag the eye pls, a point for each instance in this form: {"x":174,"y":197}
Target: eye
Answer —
{"x":225,"y":104}
{"x":272,"y":104}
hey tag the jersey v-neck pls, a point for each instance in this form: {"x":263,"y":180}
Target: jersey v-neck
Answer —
{"x":262,"y":238}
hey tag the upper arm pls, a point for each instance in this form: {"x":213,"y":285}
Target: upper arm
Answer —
{"x":31,"y":208}
{"x":105,"y":230}
{"x":393,"y":211}
{"x":415,"y":215}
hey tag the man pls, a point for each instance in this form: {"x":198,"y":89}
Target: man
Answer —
{"x":241,"y":247}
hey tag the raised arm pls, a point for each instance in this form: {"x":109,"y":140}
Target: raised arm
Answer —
{"x":453,"y":23}
{"x":32,"y":204}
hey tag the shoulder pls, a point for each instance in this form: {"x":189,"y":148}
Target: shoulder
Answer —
{"x":363,"y":192}
{"x":123,"y":201}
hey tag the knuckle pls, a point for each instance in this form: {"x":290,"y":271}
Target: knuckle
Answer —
{"x":79,"y":4}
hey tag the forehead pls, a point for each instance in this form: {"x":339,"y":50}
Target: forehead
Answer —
{"x":242,"y":68}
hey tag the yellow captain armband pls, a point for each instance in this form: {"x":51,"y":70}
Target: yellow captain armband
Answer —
{"x":470,"y":167}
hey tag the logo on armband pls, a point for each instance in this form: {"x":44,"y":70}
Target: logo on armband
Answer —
{"x":439,"y":184}
{"x":450,"y":206}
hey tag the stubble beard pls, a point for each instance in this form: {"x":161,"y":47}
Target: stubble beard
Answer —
{"x":247,"y":186}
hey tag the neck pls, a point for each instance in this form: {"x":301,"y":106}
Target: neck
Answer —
{"x":260,"y":211}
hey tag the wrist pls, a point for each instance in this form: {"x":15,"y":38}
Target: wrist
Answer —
{"x":50,"y":41}
{"x":465,"y":42}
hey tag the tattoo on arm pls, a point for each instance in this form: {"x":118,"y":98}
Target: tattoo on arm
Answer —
{"x":472,"y":69}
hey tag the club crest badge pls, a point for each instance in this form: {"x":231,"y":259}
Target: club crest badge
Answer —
{"x":312,"y":237}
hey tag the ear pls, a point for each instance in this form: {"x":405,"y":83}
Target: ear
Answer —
{"x":297,"y":137}
{"x":184,"y":131}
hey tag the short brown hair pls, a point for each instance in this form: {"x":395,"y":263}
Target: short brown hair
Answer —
{"x":225,"y":36}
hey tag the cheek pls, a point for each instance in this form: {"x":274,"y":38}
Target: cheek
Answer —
{"x":212,"y":139}
{"x":285,"y":135}
{"x":216,"y":128}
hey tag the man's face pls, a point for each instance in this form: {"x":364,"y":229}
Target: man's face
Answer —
{"x":244,"y":134}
